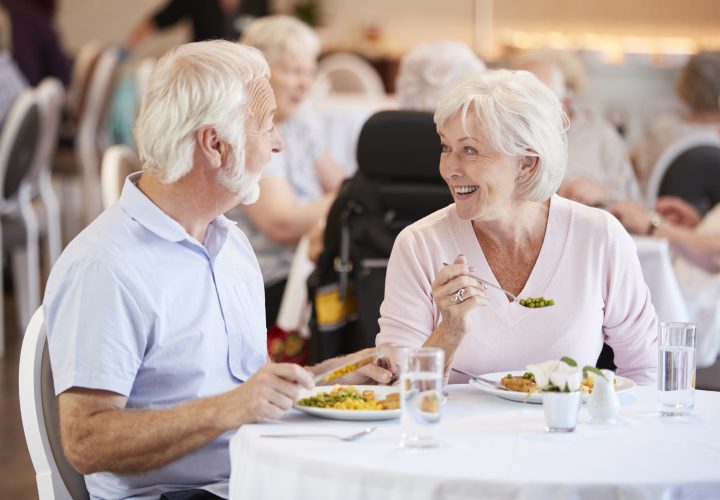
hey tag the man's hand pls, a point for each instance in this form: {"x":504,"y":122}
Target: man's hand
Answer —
{"x":267,"y":395}
{"x":371,"y":373}
{"x":678,"y":211}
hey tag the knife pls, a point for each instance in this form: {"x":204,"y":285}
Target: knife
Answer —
{"x":344,"y":369}
{"x":484,"y":380}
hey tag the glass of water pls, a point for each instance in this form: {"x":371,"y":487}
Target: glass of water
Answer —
{"x":676,"y":369}
{"x":421,"y":377}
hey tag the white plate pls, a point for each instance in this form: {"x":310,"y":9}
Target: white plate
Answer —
{"x":622,"y":384}
{"x":380,"y":392}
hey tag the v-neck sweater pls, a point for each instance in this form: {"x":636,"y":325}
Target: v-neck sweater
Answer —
{"x":587,"y":263}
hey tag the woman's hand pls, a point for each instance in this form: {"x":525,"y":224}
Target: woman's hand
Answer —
{"x":632,"y":215}
{"x":678,"y":211}
{"x":456,"y":293}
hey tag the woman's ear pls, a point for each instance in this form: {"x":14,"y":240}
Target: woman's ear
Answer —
{"x":527,"y":165}
{"x":210,"y":147}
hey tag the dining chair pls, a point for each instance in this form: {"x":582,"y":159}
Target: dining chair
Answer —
{"x":118,"y":162}
{"x":92,"y":136}
{"x":346,"y":72}
{"x":18,"y":224}
{"x":56,"y":478}
{"x":683,"y":169}
{"x":51,"y":98}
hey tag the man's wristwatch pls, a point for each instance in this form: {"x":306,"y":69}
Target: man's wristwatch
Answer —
{"x":655,"y":222}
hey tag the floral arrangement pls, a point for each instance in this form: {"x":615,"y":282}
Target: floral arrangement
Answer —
{"x":561,"y":376}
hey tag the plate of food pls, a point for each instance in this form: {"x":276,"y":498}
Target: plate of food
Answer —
{"x":351,"y":402}
{"x":521,"y":387}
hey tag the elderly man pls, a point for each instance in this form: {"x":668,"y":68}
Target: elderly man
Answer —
{"x":155,"y":311}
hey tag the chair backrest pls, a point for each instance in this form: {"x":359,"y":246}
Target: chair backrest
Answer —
{"x":83,"y":68}
{"x":56,"y":478}
{"x":397,"y":183}
{"x":93,"y":134}
{"x":142,"y":76}
{"x":666,"y":159}
{"x":695,"y":177}
{"x":50,"y":99}
{"x":18,"y":144}
{"x":118,"y":162}
{"x":347,"y":72}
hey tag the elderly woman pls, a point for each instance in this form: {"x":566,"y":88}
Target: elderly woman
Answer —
{"x":698,"y":87}
{"x":503,"y":158}
{"x":430,"y":69}
{"x":299,"y":184}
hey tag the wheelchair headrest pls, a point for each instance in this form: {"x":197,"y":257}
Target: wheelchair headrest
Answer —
{"x":400,"y":145}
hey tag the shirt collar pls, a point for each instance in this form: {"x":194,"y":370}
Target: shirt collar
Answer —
{"x":138,"y":206}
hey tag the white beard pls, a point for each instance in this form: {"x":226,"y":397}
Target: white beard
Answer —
{"x":246,"y":185}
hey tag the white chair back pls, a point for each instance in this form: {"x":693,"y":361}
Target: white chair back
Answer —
{"x":19,"y":237}
{"x":56,"y":479}
{"x":51,"y":98}
{"x":92,"y":135}
{"x":669,"y":155}
{"x":347,"y":72}
{"x":118,"y":162}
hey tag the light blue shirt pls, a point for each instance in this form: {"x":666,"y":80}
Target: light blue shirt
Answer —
{"x":137,"y":306}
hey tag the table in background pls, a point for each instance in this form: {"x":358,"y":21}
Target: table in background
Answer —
{"x":654,"y":254}
{"x":492,"y":449}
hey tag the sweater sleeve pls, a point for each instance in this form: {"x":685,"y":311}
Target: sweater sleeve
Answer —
{"x":407,"y":314}
{"x":630,"y":322}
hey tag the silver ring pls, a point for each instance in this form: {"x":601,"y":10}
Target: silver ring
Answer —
{"x":458,"y":296}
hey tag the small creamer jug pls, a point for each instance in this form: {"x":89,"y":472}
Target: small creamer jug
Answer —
{"x":603,"y":404}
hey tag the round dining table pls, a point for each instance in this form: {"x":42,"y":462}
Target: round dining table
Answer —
{"x":490,"y":448}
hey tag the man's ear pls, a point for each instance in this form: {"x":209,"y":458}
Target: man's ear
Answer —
{"x":210,"y":147}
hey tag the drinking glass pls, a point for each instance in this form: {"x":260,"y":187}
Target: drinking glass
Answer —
{"x":676,"y":369}
{"x":421,"y":377}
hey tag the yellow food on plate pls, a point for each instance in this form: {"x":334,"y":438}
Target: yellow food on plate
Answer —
{"x":348,"y":397}
{"x":526,"y":383}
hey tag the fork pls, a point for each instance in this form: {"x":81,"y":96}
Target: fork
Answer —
{"x":487,"y":283}
{"x":351,"y":437}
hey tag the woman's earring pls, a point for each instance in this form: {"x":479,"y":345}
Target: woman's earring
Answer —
{"x":520,"y":179}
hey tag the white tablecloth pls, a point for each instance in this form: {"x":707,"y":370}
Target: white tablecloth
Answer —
{"x":492,"y":448}
{"x":654,"y":254}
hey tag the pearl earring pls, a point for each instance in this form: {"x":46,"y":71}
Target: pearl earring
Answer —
{"x":520,"y":179}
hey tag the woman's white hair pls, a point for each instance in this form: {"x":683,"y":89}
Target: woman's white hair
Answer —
{"x":430,"y":69}
{"x":195,"y":85}
{"x":281,"y":36}
{"x":518,"y":116}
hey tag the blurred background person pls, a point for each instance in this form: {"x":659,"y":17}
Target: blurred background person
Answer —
{"x":698,"y":87}
{"x":431,"y":68}
{"x":503,"y":158}
{"x":301,"y":182}
{"x":599,"y":169}
{"x":12,"y":82}
{"x":36,"y":45}
{"x":696,"y":240}
{"x":210,"y":19}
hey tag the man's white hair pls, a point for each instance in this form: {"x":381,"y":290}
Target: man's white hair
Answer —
{"x":518,"y":116}
{"x":195,"y":85}
{"x":429,"y":69}
{"x":281,"y":36}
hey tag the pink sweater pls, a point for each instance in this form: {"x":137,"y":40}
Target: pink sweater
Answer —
{"x":588,"y":264}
